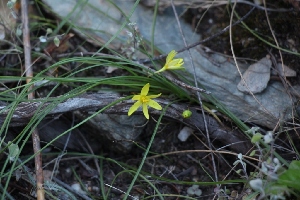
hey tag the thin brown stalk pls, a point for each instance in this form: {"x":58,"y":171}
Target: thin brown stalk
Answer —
{"x":28,"y":69}
{"x":198,"y":93}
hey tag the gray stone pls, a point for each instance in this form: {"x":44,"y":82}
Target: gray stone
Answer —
{"x":216,"y":73}
{"x":256,"y":77}
{"x":220,"y":76}
{"x":120,"y":129}
{"x":101,"y":20}
{"x":284,"y":70}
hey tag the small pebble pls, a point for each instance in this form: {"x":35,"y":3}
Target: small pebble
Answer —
{"x":185,"y":133}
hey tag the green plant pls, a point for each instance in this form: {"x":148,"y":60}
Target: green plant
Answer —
{"x":272,"y":180}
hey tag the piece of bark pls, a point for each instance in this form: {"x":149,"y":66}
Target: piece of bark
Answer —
{"x":93,"y":102}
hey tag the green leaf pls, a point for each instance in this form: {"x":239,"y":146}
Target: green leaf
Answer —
{"x":56,"y":41}
{"x":291,"y":176}
{"x":256,"y":137}
{"x":13,"y":150}
{"x":252,"y":153}
{"x":295,"y":164}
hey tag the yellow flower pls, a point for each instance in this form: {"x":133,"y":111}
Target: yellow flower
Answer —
{"x":144,"y":101}
{"x":172,"y":63}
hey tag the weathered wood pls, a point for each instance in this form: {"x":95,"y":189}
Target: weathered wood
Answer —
{"x":93,"y":102}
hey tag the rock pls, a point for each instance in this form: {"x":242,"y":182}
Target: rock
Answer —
{"x":185,"y":133}
{"x":284,"y":70}
{"x":91,"y":22}
{"x":103,"y":20}
{"x":214,"y":72}
{"x":221,"y":77}
{"x":114,"y":128}
{"x":256,"y":77}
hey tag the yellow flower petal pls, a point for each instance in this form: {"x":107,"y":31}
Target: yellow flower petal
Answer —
{"x":145,"y":89}
{"x":172,"y":63}
{"x":176,"y":63}
{"x":154,"y":96}
{"x":154,"y":105}
{"x":136,"y":97}
{"x":175,"y":67}
{"x":170,"y":56}
{"x":145,"y":111}
{"x":144,"y":101}
{"x":134,"y":107}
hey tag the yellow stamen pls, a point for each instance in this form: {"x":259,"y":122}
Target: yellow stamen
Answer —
{"x":144,"y":99}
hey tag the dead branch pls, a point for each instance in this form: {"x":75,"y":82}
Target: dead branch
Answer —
{"x":96,"y":101}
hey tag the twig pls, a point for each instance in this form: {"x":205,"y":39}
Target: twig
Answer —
{"x":283,"y":78}
{"x":200,"y":42}
{"x":70,"y":188}
{"x":198,"y":94}
{"x":91,"y":151}
{"x":218,"y":3}
{"x":56,"y":164}
{"x":35,"y":135}
{"x":182,"y":84}
{"x":210,"y":3}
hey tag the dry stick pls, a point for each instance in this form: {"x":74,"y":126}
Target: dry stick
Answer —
{"x":235,"y":61}
{"x":91,"y":151}
{"x":56,"y":164}
{"x":200,"y":151}
{"x":198,"y":94}
{"x":283,"y":79}
{"x":96,"y":101}
{"x":202,"y":41}
{"x":208,"y":4}
{"x":82,"y":195}
{"x":35,"y":135}
{"x":238,"y":69}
